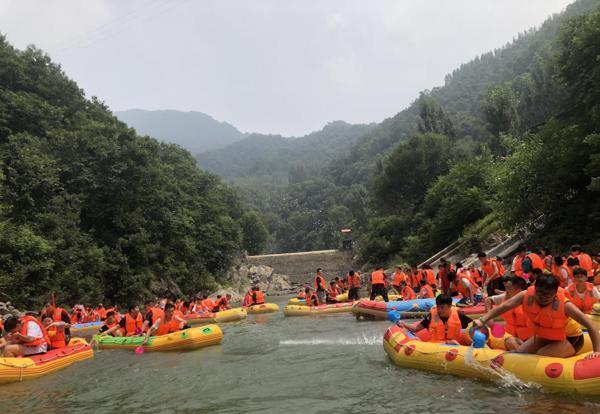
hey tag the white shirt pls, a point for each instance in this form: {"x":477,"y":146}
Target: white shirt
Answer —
{"x":34,"y":331}
{"x":595,"y":293}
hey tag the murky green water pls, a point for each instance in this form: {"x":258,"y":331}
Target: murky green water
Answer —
{"x":273,"y":364}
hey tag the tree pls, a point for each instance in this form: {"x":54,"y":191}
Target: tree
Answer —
{"x":255,"y":233}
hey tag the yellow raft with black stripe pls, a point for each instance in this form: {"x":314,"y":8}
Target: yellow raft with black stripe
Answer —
{"x":26,"y":368}
{"x":344,"y":297}
{"x":294,"y":310}
{"x":192,"y":338}
{"x":262,"y":308}
{"x":574,"y":374}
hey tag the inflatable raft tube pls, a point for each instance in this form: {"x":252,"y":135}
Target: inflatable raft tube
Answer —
{"x":344,"y":297}
{"x":378,"y":310}
{"x":192,"y":338}
{"x":264,"y":308}
{"x":88,"y":328}
{"x":293,"y":310}
{"x":231,"y":315}
{"x":297,"y":302}
{"x":574,"y":374}
{"x":26,"y":368}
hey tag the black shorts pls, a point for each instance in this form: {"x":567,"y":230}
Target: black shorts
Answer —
{"x":577,"y":342}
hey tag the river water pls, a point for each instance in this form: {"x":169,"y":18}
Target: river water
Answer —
{"x":273,"y":364}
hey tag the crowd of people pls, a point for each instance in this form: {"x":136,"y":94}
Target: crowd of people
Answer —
{"x":38,"y":333}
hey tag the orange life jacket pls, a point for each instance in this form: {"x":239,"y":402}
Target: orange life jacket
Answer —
{"x":426,"y":292}
{"x":58,"y":338}
{"x":429,"y":276}
{"x":442,"y":332}
{"x":57,"y":314}
{"x":320,"y":283}
{"x":332,"y":292}
{"x":39,"y":341}
{"x":247,"y":299}
{"x":398,"y":277}
{"x":585,"y":262}
{"x":408,"y":293}
{"x":353,"y":281}
{"x":301,"y":294}
{"x":536,"y":261}
{"x":518,"y":266}
{"x":341,"y":284}
{"x":517,"y":323}
{"x":312,"y":300}
{"x":378,"y":277}
{"x":586,"y":304}
{"x":459,"y":286}
{"x":549,"y":321}
{"x":166,"y":327}
{"x":501,"y":268}
{"x":258,"y":297}
{"x":133,"y":326}
{"x":415,"y":278}
{"x":556,"y":272}
{"x":488,"y":268}
{"x":208,"y":304}
{"x":102,"y":313}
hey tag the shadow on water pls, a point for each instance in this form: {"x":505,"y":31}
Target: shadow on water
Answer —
{"x":273,"y":364}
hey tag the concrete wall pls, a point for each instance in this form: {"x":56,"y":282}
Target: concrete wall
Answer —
{"x":301,"y":267}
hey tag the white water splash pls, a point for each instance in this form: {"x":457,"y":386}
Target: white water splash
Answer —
{"x":364,"y":340}
{"x":505,"y":378}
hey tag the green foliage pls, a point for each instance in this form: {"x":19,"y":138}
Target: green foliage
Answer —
{"x":255,"y":233}
{"x":92,"y":211}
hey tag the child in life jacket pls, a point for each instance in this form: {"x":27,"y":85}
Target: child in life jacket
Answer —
{"x":332,"y":292}
{"x":444,"y":322}
{"x":556,"y":321}
{"x":582,"y":293}
{"x":56,"y":333}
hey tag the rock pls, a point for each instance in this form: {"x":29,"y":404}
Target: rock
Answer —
{"x":242,"y":277}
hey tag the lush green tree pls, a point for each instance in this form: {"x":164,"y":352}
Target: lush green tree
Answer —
{"x":255,"y":233}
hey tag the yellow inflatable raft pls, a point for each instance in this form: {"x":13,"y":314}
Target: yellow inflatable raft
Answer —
{"x":575,"y":374}
{"x":231,"y":315}
{"x":264,"y":308}
{"x":193,"y":338}
{"x":26,"y":368}
{"x":294,"y":310}
{"x":344,"y":297}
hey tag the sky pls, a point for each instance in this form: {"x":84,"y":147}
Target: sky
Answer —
{"x":272,"y":66}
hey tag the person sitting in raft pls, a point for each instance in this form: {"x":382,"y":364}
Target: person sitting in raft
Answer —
{"x":58,"y":315}
{"x":517,"y":324}
{"x":332,"y":292}
{"x":397,"y":278}
{"x":406,"y":291}
{"x":582,"y":293}
{"x":340,"y":284}
{"x":25,"y":336}
{"x":444,"y":322}
{"x":556,"y":321}
{"x":312,"y":299}
{"x":247,"y":299}
{"x":207,"y":304}
{"x":130,"y":325}
{"x":258,"y":297}
{"x":462,"y":283}
{"x":426,"y":291}
{"x":165,"y":323}
{"x":561,"y":271}
{"x":301,"y":295}
{"x":222,"y":303}
{"x":109,"y":323}
{"x":56,"y":333}
{"x":378,"y":281}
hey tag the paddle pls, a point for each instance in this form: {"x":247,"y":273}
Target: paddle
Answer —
{"x":139,"y":350}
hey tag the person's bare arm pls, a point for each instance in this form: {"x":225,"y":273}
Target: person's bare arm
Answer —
{"x":573,"y":312}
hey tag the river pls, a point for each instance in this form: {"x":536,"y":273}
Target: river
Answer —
{"x":273,"y":364}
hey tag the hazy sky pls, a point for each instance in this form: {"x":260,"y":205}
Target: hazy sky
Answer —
{"x":280,"y":66}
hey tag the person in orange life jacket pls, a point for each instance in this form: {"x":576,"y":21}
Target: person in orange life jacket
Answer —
{"x":582,"y":293}
{"x":426,"y":291}
{"x":353,"y":282}
{"x":444,"y":321}
{"x":320,"y":285}
{"x":222,"y":303}
{"x":3,"y":341}
{"x":57,"y":315}
{"x":150,"y":309}
{"x":301,"y":294}
{"x":406,"y":291}
{"x":332,"y":292}
{"x":596,"y":269}
{"x":547,"y":258}
{"x":258,"y":297}
{"x":397,"y":278}
{"x":556,"y":321}
{"x":517,"y":324}
{"x":562,"y":272}
{"x":429,"y":276}
{"x":443,"y":277}
{"x":462,"y":283}
{"x":311,"y":298}
{"x":378,"y":278}
{"x":130,"y":325}
{"x":25,"y":336}
{"x":492,"y":278}
{"x":165,"y":323}
{"x":56,"y":333}
{"x":340,"y":284}
{"x":531,"y":261}
{"x":516,"y":268}
{"x":414,"y":278}
{"x":585,"y":260}
{"x":247,"y":298}
{"x":109,"y":323}
{"x":101,"y":311}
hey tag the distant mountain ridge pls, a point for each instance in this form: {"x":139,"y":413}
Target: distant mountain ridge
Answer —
{"x":195,"y":131}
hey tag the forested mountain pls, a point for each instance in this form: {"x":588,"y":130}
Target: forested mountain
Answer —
{"x":281,"y":158}
{"x":438,"y":169}
{"x":194,"y":131}
{"x":92,"y":211}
